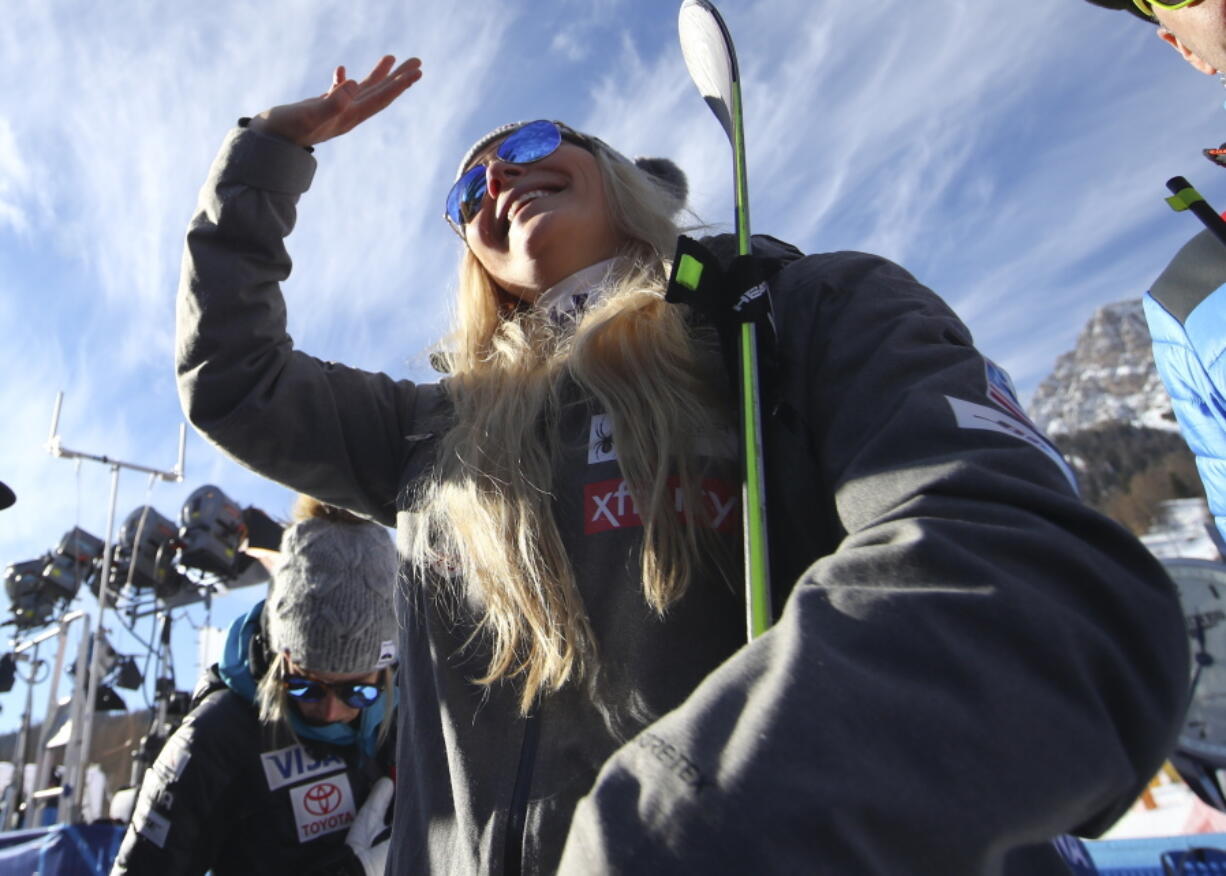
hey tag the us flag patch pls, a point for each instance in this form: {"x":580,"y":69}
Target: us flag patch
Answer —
{"x":1001,"y":391}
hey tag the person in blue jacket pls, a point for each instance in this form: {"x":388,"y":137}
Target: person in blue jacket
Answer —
{"x":1186,"y":306}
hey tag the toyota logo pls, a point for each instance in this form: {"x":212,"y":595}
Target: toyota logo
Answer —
{"x":322,"y":799}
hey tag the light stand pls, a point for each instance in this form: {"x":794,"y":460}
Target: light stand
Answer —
{"x":75,"y":757}
{"x":13,"y":793}
{"x":43,"y":770}
{"x":152,"y":741}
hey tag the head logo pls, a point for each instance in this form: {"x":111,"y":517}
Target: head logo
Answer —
{"x":322,"y":799}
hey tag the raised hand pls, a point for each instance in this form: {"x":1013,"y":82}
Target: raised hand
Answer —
{"x":344,"y":106}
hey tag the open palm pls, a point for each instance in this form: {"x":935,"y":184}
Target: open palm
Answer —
{"x":344,"y":106}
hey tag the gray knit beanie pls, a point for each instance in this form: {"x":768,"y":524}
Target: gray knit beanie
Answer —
{"x":662,"y":171}
{"x":330,"y":602}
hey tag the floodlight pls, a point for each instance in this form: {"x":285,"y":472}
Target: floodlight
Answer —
{"x":74,"y":561}
{"x":258,"y":550}
{"x":146,"y":562}
{"x":263,"y":532}
{"x":212,"y":529}
{"x":32,"y":598}
{"x":126,"y":674}
{"x":106,"y":700}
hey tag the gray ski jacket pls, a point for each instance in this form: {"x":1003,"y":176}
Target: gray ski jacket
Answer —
{"x":967,"y":661}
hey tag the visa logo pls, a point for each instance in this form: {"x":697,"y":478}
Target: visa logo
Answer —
{"x":286,"y":766}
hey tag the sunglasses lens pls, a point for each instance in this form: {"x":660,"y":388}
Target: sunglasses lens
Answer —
{"x":531,"y":143}
{"x":464,"y":199}
{"x":356,"y":696}
{"x":361,"y":695}
{"x":304,"y":689}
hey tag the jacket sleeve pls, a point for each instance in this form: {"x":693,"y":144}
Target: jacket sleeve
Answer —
{"x":981,"y":663}
{"x":1189,"y":357}
{"x":186,"y":799}
{"x":334,"y":432}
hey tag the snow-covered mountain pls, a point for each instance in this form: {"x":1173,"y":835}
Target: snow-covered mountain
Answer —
{"x":1109,"y":377}
{"x":1180,"y":531}
{"x":1108,"y":412}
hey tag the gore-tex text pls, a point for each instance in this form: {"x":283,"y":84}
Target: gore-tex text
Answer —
{"x":673,"y":760}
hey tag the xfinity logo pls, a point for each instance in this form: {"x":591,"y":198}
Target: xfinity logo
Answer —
{"x":608,"y":505}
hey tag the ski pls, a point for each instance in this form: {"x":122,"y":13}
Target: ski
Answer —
{"x":711,"y":60}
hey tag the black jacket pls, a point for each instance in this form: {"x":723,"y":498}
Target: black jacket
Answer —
{"x":227,"y":794}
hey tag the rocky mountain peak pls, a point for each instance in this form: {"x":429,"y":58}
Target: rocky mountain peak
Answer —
{"x":1109,"y":377}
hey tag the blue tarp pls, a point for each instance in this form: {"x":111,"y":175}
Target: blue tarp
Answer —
{"x":1143,"y":857}
{"x":88,"y":850}
{"x":60,"y":850}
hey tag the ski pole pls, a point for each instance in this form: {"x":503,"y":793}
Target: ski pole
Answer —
{"x":711,"y":60}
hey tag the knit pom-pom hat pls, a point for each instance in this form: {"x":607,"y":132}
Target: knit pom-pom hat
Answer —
{"x":329,"y":605}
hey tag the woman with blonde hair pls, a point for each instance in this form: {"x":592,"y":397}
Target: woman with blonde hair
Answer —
{"x":282,"y":764}
{"x":967,"y":661}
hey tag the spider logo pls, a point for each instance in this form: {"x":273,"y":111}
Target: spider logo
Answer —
{"x":604,"y":439}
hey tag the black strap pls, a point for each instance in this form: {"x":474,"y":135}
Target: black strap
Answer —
{"x":740,"y":292}
{"x":727,"y":297}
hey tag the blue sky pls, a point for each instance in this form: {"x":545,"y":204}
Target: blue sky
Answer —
{"x":1011,"y":155}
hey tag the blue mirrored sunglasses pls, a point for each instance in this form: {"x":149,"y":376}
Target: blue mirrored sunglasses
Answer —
{"x":532,"y":142}
{"x":355,"y":694}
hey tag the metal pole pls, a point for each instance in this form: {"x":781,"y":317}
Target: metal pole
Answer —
{"x":15,"y":791}
{"x":161,"y":709}
{"x":43,"y":770}
{"x":95,"y":662}
{"x":72,"y":751}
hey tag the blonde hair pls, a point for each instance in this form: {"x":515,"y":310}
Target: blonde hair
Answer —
{"x":273,"y":703}
{"x":308,"y":508}
{"x":486,"y":515}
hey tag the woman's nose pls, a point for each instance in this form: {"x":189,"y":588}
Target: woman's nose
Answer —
{"x":335,"y":710}
{"x":499,"y":174}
